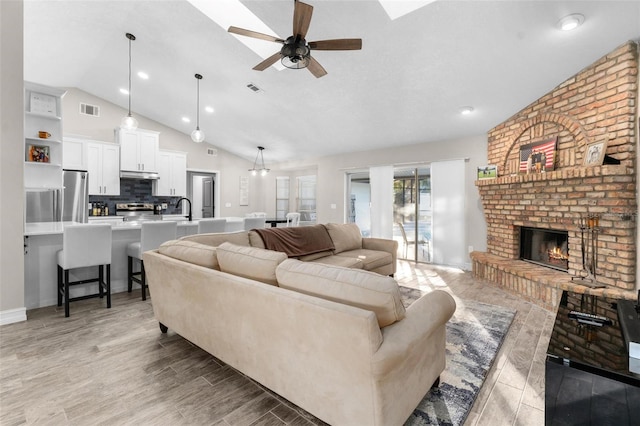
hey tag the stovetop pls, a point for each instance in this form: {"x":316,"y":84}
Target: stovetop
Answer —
{"x":137,"y":211}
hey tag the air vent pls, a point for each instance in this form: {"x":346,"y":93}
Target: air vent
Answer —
{"x":92,"y":110}
{"x":212,"y":151}
{"x":254,"y":88}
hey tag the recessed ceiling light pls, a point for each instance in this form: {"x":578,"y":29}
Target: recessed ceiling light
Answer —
{"x":466,"y":110}
{"x":124,"y":91}
{"x":571,"y":22}
{"x":209,"y":109}
{"x":186,"y":119}
{"x":143,"y":75}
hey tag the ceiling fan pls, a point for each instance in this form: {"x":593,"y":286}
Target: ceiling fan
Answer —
{"x":296,"y":51}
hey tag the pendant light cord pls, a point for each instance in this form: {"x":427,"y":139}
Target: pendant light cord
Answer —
{"x":198,"y":105}
{"x":130,"y":37}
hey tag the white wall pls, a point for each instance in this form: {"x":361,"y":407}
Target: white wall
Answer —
{"x":12,"y":306}
{"x":230,"y":167}
{"x":331,"y":181}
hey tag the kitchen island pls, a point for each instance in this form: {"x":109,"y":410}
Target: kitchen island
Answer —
{"x":42,"y":240}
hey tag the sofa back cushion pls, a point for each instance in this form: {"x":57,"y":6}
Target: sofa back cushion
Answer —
{"x":345,"y":236}
{"x":239,"y":238}
{"x":249,"y":262}
{"x":191,"y":252}
{"x":362,"y":289}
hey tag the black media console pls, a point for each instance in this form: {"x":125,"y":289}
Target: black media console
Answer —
{"x":591,"y":376}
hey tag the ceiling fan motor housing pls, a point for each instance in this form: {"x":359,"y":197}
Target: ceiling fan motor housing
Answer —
{"x":295,"y":53}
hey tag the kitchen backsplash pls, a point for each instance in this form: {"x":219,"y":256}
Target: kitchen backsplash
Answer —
{"x":139,"y":191}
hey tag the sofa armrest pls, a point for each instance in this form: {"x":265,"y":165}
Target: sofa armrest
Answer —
{"x":382,"y":244}
{"x":412,"y":356}
{"x":422,"y":318}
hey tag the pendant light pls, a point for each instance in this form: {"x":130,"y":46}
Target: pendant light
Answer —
{"x":197,"y":135}
{"x":129,"y":122}
{"x":263,"y":170}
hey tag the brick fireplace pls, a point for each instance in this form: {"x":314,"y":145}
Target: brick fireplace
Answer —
{"x":597,"y":104}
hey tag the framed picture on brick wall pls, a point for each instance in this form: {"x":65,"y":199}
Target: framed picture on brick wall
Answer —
{"x":488,"y":172}
{"x":594,"y":154}
{"x":538,"y":157}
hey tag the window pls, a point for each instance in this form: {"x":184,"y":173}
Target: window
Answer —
{"x":307,"y":198}
{"x":282,"y":196}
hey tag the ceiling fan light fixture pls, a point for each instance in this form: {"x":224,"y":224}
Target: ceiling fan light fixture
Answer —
{"x":263,"y":170}
{"x":197,"y":135}
{"x":295,"y":53}
{"x":571,"y":22}
{"x":129,"y":122}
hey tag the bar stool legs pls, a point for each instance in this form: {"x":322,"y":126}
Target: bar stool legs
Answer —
{"x":138,"y":277}
{"x":104,"y":287}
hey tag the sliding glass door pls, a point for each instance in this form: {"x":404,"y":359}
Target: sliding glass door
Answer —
{"x":412,"y":213}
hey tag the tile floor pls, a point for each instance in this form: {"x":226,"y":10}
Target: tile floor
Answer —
{"x":114,"y":367}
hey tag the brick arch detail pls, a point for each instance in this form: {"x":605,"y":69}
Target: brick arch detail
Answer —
{"x":565,"y":121}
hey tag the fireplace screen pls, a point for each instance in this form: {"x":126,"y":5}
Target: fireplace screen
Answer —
{"x":545,"y":247}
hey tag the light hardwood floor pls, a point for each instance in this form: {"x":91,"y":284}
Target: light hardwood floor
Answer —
{"x":113,"y":366}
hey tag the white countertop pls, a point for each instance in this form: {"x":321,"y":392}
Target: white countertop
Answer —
{"x":53,"y":228}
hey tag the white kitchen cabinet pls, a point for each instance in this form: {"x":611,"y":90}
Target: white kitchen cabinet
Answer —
{"x":138,"y":150}
{"x":43,"y":136}
{"x":172,"y":168}
{"x":103,"y":161}
{"x":74,"y":153}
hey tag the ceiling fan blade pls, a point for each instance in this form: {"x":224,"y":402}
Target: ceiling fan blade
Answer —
{"x":254,"y":34}
{"x":301,"y":18}
{"x":315,"y":68}
{"x":268,"y":62}
{"x":337,"y":44}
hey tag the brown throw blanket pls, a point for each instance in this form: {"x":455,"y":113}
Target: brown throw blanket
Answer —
{"x":297,"y":241}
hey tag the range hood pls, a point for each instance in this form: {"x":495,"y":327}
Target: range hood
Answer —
{"x":128,"y":174}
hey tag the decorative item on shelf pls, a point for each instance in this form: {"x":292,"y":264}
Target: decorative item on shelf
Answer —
{"x":197,"y":135}
{"x":43,"y":104}
{"x":129,"y":122}
{"x":595,"y":153}
{"x":589,"y":230}
{"x":488,"y":172}
{"x":38,"y":153}
{"x":538,"y":157}
{"x":263,"y":170}
{"x":44,"y":135}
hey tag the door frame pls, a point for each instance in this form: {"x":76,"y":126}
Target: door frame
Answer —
{"x":215,"y":174}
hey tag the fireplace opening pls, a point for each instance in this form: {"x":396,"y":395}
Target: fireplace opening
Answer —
{"x":545,"y":247}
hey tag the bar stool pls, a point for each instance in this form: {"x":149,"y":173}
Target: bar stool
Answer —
{"x":84,"y":246}
{"x":210,"y":225}
{"x":152,"y":234}
{"x":253,"y":222}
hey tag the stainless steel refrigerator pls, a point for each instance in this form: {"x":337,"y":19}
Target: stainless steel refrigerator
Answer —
{"x":75,"y":196}
{"x":43,"y":205}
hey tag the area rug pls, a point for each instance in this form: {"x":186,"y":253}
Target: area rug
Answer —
{"x":474,"y":336}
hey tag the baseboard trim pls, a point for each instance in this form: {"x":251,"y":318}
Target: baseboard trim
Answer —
{"x":11,"y":316}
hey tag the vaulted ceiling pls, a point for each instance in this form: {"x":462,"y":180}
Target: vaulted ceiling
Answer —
{"x":406,"y":86}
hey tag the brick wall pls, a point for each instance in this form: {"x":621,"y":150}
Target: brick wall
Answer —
{"x":597,"y":104}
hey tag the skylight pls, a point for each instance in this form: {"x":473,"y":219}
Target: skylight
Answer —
{"x":398,"y":8}
{"x":228,"y":13}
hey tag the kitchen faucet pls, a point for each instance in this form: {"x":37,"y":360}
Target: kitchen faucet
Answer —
{"x":178,"y":205}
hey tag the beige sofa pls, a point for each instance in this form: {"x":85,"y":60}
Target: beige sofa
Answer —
{"x":348,"y":247}
{"x":335,"y":341}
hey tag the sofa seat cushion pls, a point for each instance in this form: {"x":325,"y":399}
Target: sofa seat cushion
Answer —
{"x":345,"y":236}
{"x":344,"y":261}
{"x":362,"y":289}
{"x":371,"y":259}
{"x":192,"y":252}
{"x":250,"y":262}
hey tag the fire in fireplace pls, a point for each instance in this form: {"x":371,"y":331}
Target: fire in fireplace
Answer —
{"x":545,"y":247}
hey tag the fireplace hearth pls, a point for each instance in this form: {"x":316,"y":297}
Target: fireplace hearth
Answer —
{"x":545,"y":247}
